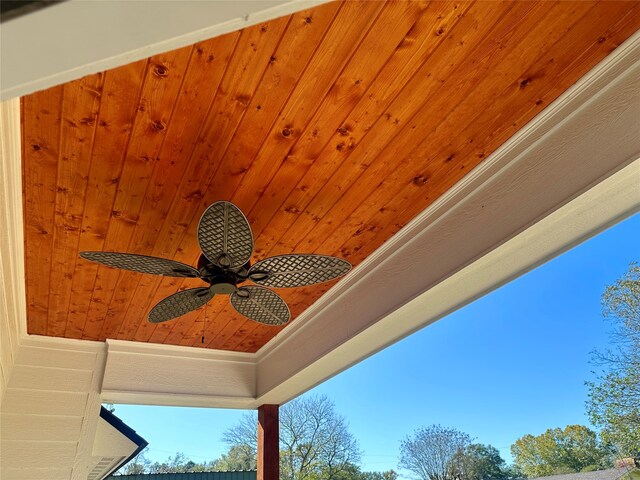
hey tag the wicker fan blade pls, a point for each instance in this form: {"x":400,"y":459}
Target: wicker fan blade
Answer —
{"x":180,"y":303}
{"x":297,"y":270}
{"x":142,"y":264}
{"x":225,"y":235}
{"x":261,"y":305}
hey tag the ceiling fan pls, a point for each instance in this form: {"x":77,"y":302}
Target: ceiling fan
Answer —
{"x":226,"y":241}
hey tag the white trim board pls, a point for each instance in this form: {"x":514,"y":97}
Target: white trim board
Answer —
{"x":75,"y":38}
{"x":12,"y":295}
{"x":567,"y":175}
{"x":608,"y":203}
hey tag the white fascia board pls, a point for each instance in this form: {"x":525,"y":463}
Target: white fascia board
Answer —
{"x":574,"y":146}
{"x":172,"y":375}
{"x":608,"y":203}
{"x":75,"y":38}
{"x":111,"y":442}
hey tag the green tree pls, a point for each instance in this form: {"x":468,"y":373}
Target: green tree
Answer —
{"x":315,"y":442}
{"x":388,"y":475}
{"x":513,"y":472}
{"x":572,"y":449}
{"x":239,"y":457}
{"x":481,"y":462}
{"x":179,"y":463}
{"x":613,"y":404}
{"x":139,"y":464}
{"x":434,"y":452}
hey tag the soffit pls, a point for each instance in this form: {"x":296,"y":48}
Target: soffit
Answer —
{"x":331,"y":129}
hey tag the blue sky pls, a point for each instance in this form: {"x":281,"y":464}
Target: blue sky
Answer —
{"x":511,"y":363}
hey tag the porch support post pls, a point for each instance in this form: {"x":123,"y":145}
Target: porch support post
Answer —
{"x":268,"y":443}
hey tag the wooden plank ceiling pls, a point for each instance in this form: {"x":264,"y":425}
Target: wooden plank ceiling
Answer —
{"x":331,"y":129}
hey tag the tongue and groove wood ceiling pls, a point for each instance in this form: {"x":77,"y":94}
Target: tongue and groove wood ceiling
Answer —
{"x":330,"y":128}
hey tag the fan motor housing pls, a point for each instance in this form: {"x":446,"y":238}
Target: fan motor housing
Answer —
{"x":223,"y":287}
{"x":222,"y":280}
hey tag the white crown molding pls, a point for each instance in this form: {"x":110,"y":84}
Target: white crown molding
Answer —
{"x":57,"y":343}
{"x":75,"y":38}
{"x":196,"y":400}
{"x":122,"y":346}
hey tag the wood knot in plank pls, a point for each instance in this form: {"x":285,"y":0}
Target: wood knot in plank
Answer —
{"x":160,"y":71}
{"x":449,"y":158}
{"x":195,"y":195}
{"x":286,"y":132}
{"x":118,"y":214}
{"x":309,"y":19}
{"x":35,"y":147}
{"x":292,"y":209}
{"x":420,"y":180}
{"x":243,"y":100}
{"x":159,"y":125}
{"x":343,"y":131}
{"x":525,"y":82}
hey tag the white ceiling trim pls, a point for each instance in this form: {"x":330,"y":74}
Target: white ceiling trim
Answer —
{"x":12,"y":296}
{"x":152,"y":374}
{"x":75,"y":38}
{"x":608,"y":203}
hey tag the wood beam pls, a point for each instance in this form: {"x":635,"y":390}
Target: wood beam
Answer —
{"x":268,"y":443}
